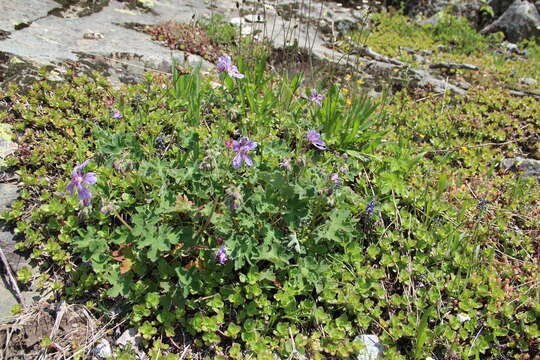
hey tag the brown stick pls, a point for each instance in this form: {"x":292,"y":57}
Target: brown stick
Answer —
{"x":11,"y":278}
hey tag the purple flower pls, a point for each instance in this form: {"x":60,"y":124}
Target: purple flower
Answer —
{"x":225,"y":64}
{"x":482,"y":204}
{"x":335,"y":178}
{"x":117,"y":115}
{"x":315,"y":138}
{"x":315,"y":97}
{"x":286,"y":164}
{"x":242,"y":148}
{"x":221,"y":255}
{"x":370,"y":208}
{"x":78,"y":179}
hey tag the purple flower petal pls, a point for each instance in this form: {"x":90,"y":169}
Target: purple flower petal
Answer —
{"x":84,"y":194}
{"x":79,"y":168}
{"x":233,"y":71}
{"x":90,"y":178}
{"x":71,"y":188}
{"x":78,"y":179}
{"x":236,"y":146}
{"x":224,"y":62}
{"x":251,"y":145}
{"x":247,"y":159}
{"x":315,"y":139}
{"x":237,"y":161}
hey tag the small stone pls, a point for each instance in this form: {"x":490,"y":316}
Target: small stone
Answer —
{"x":419,"y":58}
{"x":103,"y":349}
{"x":513,"y":48}
{"x":529,"y":167}
{"x":93,"y":36}
{"x":409,"y":50}
{"x":463,"y":318}
{"x":372,"y":350}
{"x":130,"y":336}
{"x":528,"y":81}
{"x":238,"y":21}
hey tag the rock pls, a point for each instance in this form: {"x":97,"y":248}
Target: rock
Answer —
{"x":519,"y":22}
{"x":431,"y":21}
{"x":373,"y":349}
{"x":528,"y":81}
{"x":130,"y":336}
{"x":14,"y":13}
{"x":7,"y":146}
{"x":4,"y":34}
{"x":423,"y":79}
{"x":513,"y":48}
{"x":8,"y":301}
{"x":93,"y":36}
{"x":237,"y":21}
{"x":344,"y":25}
{"x":529,"y":167}
{"x":419,"y":58}
{"x":116,"y":51}
{"x":8,"y":193}
{"x":500,"y":6}
{"x":103,"y":349}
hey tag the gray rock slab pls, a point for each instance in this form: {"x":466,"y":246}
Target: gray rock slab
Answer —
{"x":8,"y":301}
{"x":7,"y":243}
{"x":14,"y":12}
{"x":8,"y":193}
{"x":125,"y":54}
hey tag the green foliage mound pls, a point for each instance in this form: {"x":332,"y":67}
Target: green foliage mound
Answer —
{"x":363,"y":231}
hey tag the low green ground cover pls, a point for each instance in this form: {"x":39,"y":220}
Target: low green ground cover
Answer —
{"x":218,"y":215}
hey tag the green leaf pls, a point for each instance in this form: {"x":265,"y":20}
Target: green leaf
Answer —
{"x":422,"y":333}
{"x":152,"y":300}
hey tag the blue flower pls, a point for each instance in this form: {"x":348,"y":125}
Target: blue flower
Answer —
{"x":316,"y":98}
{"x":242,"y":148}
{"x":334,"y":177}
{"x":370,"y":208}
{"x":221,"y":255}
{"x":78,"y":179}
{"x":315,"y":139}
{"x":225,"y":64}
